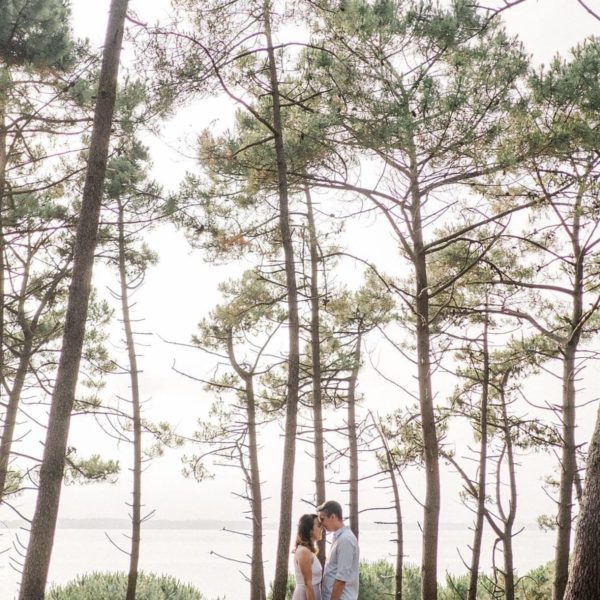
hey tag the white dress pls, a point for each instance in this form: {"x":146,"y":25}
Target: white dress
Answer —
{"x":317,"y":572}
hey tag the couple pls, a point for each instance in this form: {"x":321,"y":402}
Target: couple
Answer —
{"x":339,"y":580}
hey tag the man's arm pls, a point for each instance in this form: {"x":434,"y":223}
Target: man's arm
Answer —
{"x":338,"y":588}
{"x":345,"y":560}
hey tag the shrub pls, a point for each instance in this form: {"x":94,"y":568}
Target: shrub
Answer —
{"x":111,"y":586}
{"x":377,"y":583}
{"x":376,"y":580}
{"x":537,"y":583}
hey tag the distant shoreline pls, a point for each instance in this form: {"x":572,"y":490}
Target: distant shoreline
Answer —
{"x":212,"y":525}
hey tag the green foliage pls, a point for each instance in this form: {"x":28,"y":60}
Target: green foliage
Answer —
{"x":35,"y":32}
{"x":537,"y":583}
{"x":89,"y":470}
{"x":110,"y":586}
{"x":377,"y":582}
{"x":289,"y":590}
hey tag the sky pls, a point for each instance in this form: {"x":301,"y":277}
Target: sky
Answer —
{"x":182,"y":288}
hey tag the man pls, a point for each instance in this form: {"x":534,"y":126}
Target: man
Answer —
{"x":340,"y":577}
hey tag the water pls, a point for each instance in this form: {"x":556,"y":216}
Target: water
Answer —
{"x":195,"y":556}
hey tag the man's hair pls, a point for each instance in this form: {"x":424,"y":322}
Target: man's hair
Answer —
{"x":331,"y":507}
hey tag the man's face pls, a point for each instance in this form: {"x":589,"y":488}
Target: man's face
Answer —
{"x":328,"y":522}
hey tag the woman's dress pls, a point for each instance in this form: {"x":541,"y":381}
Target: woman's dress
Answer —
{"x":300,"y":591}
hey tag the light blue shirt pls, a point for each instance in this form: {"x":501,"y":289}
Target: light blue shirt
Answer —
{"x":342,"y":564}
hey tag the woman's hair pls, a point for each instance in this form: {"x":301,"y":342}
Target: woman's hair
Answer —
{"x":305,"y":527}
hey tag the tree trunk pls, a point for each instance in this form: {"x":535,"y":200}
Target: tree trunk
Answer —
{"x":391,"y":470}
{"x":12,"y":409}
{"x":568,"y":469}
{"x":315,"y":338}
{"x":136,"y":506}
{"x":3,"y":161}
{"x":257,"y":575}
{"x":584,"y":574}
{"x":508,"y":517}
{"x":569,"y":450}
{"x":432,"y":470}
{"x":399,"y":528}
{"x":37,"y":561}
{"x":291,"y":418}
{"x":14,"y":394}
{"x":481,"y":484}
{"x":509,"y":572}
{"x":352,"y":438}
{"x":28,"y":330}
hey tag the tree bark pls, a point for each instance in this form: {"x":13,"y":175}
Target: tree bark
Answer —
{"x":10,"y":416}
{"x":584,"y":574}
{"x":431,"y":506}
{"x":399,"y":527}
{"x":508,"y":517}
{"x":3,"y":161}
{"x":14,"y":394}
{"x":481,"y":484}
{"x":568,"y":471}
{"x":28,"y":329}
{"x":136,"y":506}
{"x":352,"y":438}
{"x":37,"y":561}
{"x":567,"y":477}
{"x":257,"y":574}
{"x":289,"y":453}
{"x":315,"y":337}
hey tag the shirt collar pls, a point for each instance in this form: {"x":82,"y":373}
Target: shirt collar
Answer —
{"x":339,"y":532}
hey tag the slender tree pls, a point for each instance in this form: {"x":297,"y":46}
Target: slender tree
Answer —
{"x":37,"y":562}
{"x":251,"y":317}
{"x":411,"y":96}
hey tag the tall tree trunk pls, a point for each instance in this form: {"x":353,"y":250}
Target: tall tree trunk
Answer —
{"x":432,"y":470}
{"x":315,"y":337}
{"x":12,"y":409}
{"x":584,"y":574}
{"x":567,"y":477}
{"x":3,"y":161}
{"x":257,"y":575}
{"x":352,"y":437}
{"x":28,"y":329}
{"x":37,"y":561}
{"x":14,"y":394}
{"x":291,"y":418}
{"x":568,"y":456}
{"x":508,"y":517}
{"x":481,"y":484}
{"x":399,"y":526}
{"x":136,"y":506}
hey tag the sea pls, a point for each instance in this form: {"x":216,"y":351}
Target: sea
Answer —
{"x":215,"y":560}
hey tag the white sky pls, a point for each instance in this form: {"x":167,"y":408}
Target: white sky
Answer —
{"x":182,"y":289}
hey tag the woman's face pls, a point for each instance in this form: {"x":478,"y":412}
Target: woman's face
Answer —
{"x":317,"y":530}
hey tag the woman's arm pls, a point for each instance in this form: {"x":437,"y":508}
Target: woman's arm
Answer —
{"x":305,"y":558}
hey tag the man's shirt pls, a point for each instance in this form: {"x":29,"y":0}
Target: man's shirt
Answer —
{"x":342,"y":564}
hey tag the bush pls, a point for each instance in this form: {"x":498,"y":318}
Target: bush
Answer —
{"x":537,"y":584}
{"x":113,"y":586}
{"x":376,"y":580}
{"x":377,"y":583}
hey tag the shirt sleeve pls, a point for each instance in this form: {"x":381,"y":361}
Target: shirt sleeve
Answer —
{"x":345,"y":560}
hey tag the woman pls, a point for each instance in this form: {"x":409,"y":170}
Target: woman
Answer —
{"x":306,"y":566}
